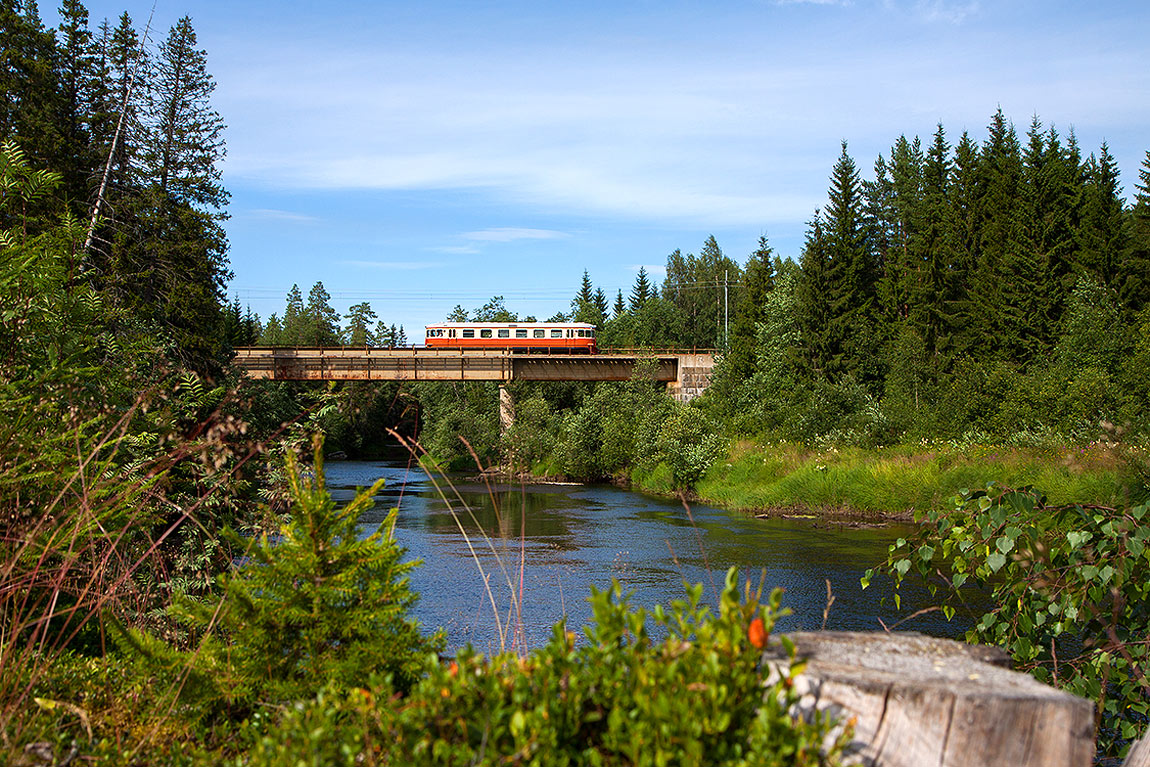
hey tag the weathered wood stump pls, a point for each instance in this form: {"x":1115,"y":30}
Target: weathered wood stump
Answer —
{"x":924,"y":702}
{"x":1139,"y":755}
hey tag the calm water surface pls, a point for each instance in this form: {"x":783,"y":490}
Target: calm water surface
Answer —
{"x":573,"y":537}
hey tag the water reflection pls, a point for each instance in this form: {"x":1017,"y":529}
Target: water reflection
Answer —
{"x":552,"y":543}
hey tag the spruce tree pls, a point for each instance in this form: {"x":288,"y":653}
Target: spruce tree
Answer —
{"x":815,"y":308}
{"x":1101,"y":236}
{"x":758,"y":282}
{"x":999,"y":182}
{"x":641,"y":291}
{"x":853,"y":275}
{"x":29,"y":93}
{"x":185,"y":137}
{"x":77,"y":74}
{"x":620,"y":307}
{"x":601,"y":307}
{"x":934,"y":288}
{"x":1133,"y":274}
{"x":962,"y":245}
{"x":294,"y":330}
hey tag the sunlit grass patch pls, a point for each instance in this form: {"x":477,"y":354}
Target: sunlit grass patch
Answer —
{"x":905,"y":478}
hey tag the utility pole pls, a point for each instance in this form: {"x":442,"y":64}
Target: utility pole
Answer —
{"x":726,"y":314}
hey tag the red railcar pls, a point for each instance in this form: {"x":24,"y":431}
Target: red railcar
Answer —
{"x":556,"y":337}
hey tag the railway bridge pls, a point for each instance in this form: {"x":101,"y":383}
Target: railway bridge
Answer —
{"x":686,"y":373}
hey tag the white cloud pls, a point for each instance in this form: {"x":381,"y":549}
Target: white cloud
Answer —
{"x":945,"y":11}
{"x":641,"y":132}
{"x":459,"y":250}
{"x":813,"y":2}
{"x":401,"y":266}
{"x":282,"y":215}
{"x":511,"y":234}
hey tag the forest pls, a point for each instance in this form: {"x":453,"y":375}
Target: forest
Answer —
{"x":177,"y":587}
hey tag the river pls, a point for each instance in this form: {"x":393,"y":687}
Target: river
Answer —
{"x":571,"y":537}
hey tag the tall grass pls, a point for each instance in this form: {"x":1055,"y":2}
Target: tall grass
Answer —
{"x":897,"y":481}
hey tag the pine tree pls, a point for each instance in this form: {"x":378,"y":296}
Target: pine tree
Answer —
{"x":999,"y":182}
{"x":962,"y":245}
{"x":815,"y":308}
{"x":641,"y":292}
{"x":695,"y":287}
{"x":294,"y":331}
{"x":584,"y":306}
{"x":77,"y":75}
{"x":934,"y":288}
{"x":185,"y":138}
{"x":601,"y":307}
{"x":29,"y":93}
{"x":320,"y":320}
{"x":852,"y":276}
{"x":1101,"y":236}
{"x":758,"y":282}
{"x":620,"y":307}
{"x":1036,"y":273}
{"x":273,"y":333}
{"x":172,"y":270}
{"x":1133,"y":275}
{"x":358,"y":331}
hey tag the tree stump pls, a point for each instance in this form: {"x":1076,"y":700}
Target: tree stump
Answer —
{"x":918,"y":701}
{"x":1139,"y":755}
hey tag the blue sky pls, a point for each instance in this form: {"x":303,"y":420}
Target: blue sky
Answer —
{"x":422,"y":155}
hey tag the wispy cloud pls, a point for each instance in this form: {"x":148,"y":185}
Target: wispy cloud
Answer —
{"x":812,"y":2}
{"x":282,"y":215}
{"x":654,"y":271}
{"x":638,"y":132}
{"x":945,"y":11}
{"x":511,"y":234}
{"x":399,"y":266}
{"x":456,"y":250}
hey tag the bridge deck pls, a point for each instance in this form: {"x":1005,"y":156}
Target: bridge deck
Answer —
{"x":422,"y":364}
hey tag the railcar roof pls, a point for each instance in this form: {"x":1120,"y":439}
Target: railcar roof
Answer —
{"x":510,"y":325}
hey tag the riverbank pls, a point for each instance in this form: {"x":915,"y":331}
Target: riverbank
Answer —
{"x":892,"y":483}
{"x":884,"y":484}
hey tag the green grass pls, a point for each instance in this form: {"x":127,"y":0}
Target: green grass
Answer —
{"x":890,"y":481}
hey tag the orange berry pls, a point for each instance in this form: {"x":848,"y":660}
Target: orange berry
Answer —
{"x":757,"y":633}
{"x":453,"y":669}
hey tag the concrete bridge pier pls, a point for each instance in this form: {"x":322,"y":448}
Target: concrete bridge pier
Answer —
{"x":693,"y":376}
{"x":506,"y":409}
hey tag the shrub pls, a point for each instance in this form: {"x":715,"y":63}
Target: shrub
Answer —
{"x":622,"y":698}
{"x":314,"y":605}
{"x":1070,"y":587}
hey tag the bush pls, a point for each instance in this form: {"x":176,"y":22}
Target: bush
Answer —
{"x":622,"y":698}
{"x":1070,"y":587}
{"x":314,"y":605}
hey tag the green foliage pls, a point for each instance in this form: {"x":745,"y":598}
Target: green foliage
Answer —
{"x":316,"y":603}
{"x":1070,"y":586}
{"x":621,"y":698}
{"x":533,"y":437}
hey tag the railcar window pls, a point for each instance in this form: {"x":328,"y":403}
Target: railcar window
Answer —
{"x":485,"y":333}
{"x":521,"y":333}
{"x":539,"y":333}
{"x":556,"y":333}
{"x":504,"y":333}
{"x":469,"y":333}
